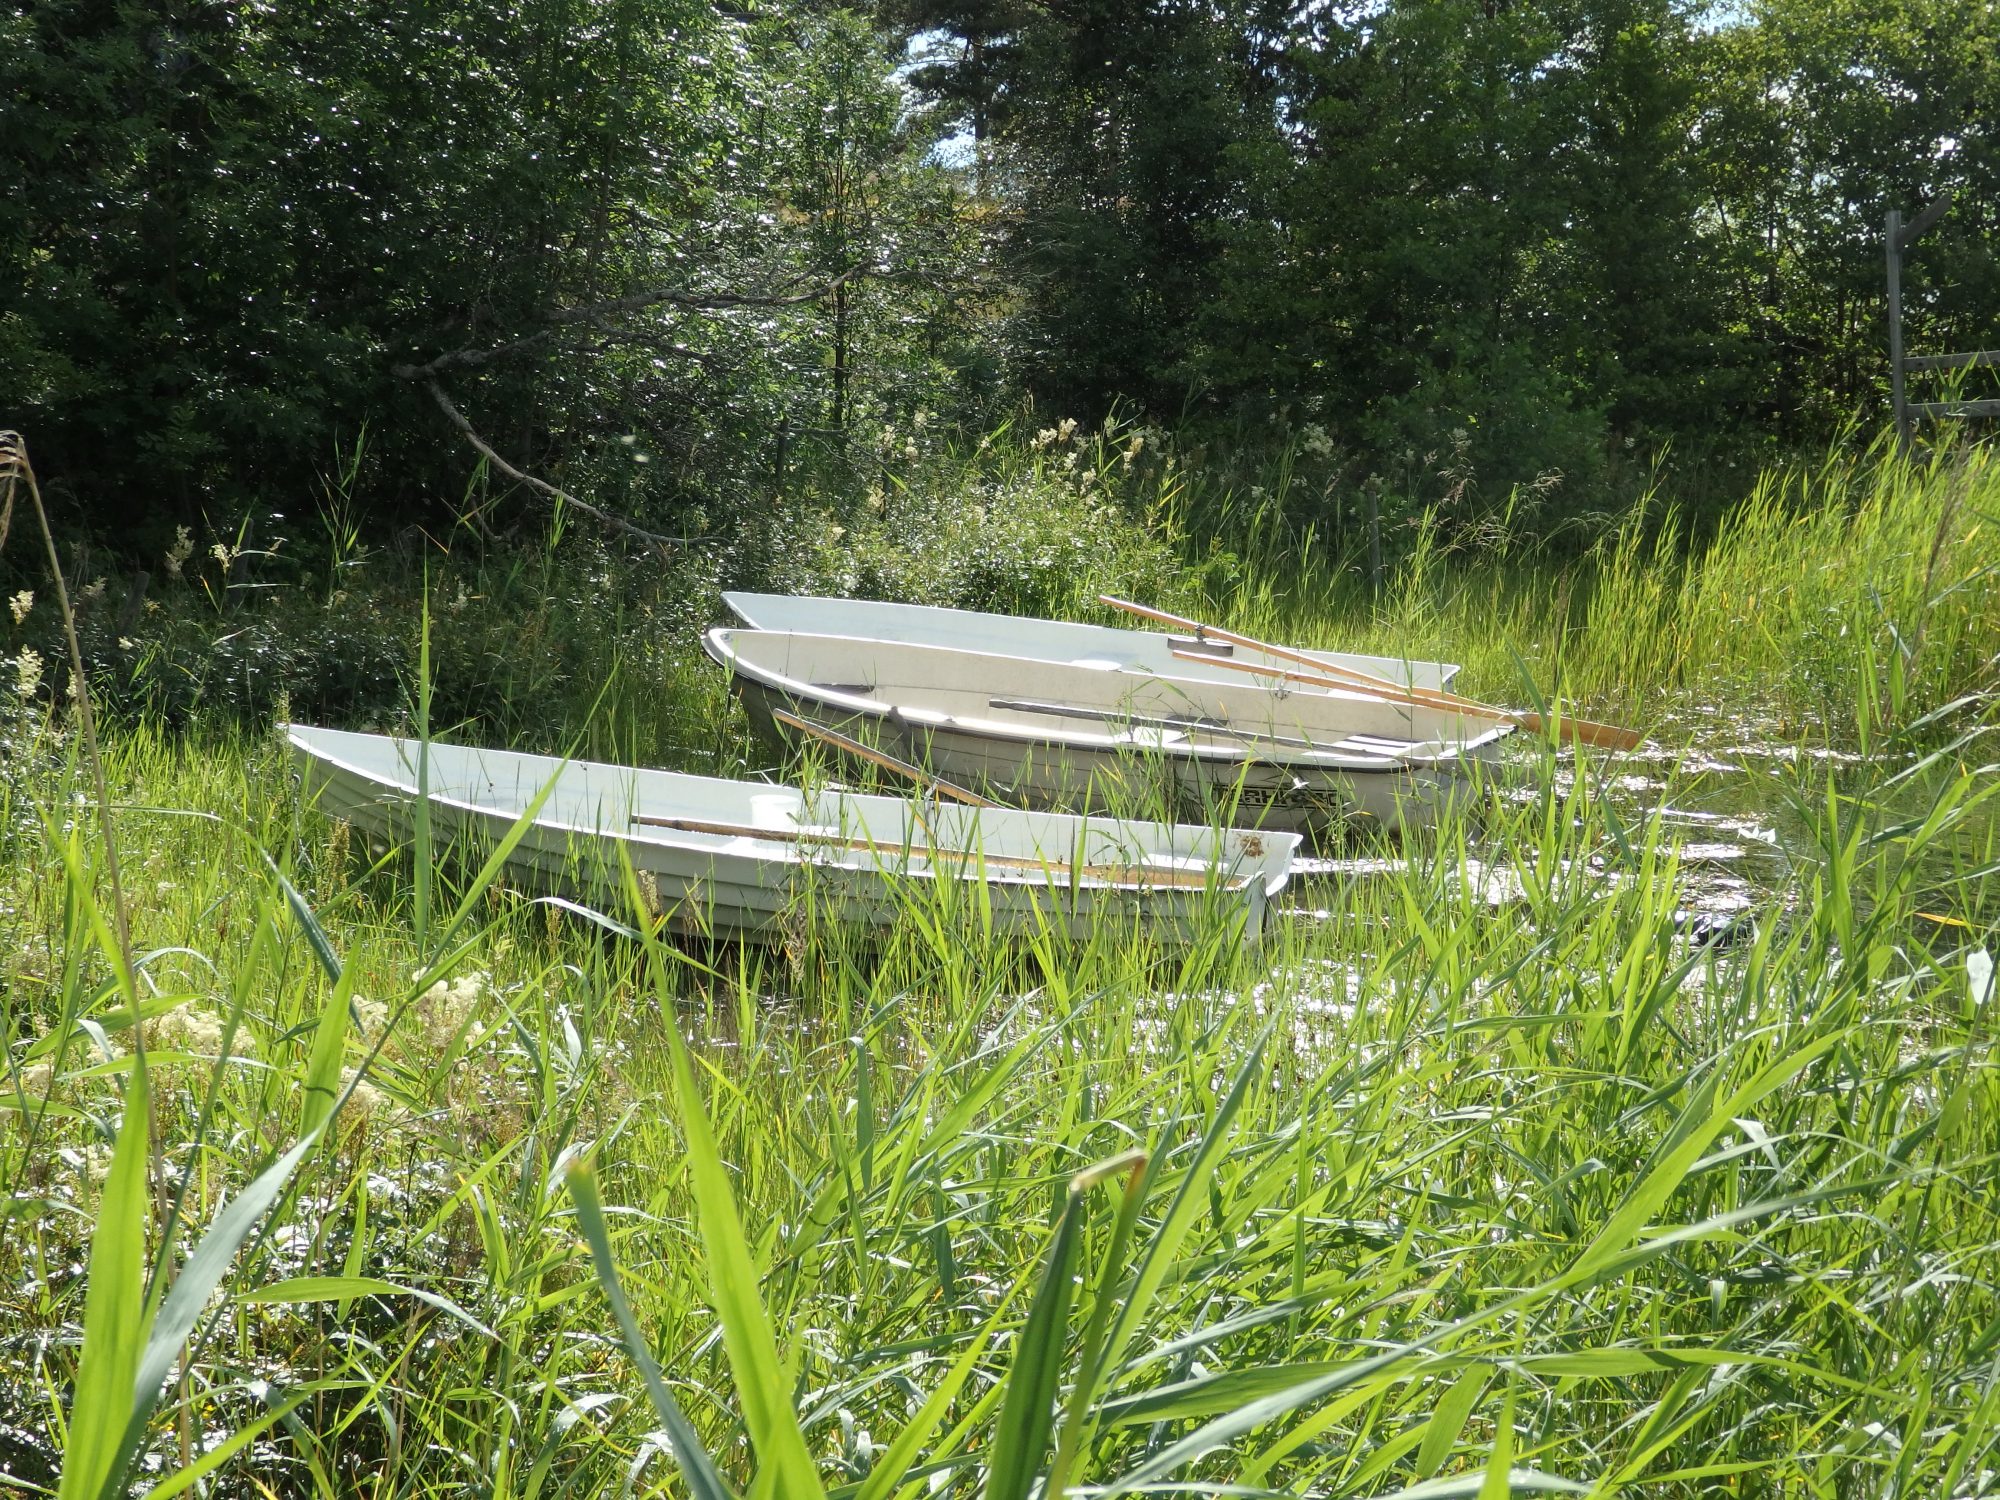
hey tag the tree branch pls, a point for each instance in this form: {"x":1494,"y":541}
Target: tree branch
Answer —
{"x":594,"y":315}
{"x":596,"y":312}
{"x":540,"y":486}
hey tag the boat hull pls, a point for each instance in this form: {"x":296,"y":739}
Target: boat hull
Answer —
{"x":787,"y":858}
{"x":1054,"y":641}
{"x":1096,"y":735}
{"x":1055,"y":773}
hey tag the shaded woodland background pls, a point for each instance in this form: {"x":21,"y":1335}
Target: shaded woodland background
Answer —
{"x":704,"y":266}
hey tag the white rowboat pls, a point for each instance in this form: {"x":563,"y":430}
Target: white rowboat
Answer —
{"x":714,"y":855}
{"x":1044,"y":733}
{"x":1042,"y":640}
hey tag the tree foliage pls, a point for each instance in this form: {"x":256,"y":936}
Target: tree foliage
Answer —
{"x":670,"y":256}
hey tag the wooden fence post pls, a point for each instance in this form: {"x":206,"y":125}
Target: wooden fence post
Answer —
{"x":1892,"y":233}
{"x":1374,"y":542}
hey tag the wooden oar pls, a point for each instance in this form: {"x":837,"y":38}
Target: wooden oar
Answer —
{"x":1352,"y":677}
{"x":1249,"y":737}
{"x":1328,"y":674}
{"x":1322,"y":675}
{"x":881,"y":758}
{"x":1118,"y":874}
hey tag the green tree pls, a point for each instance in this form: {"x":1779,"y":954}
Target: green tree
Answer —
{"x":1816,"y":120}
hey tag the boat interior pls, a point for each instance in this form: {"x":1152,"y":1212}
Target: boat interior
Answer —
{"x":1101,"y":701}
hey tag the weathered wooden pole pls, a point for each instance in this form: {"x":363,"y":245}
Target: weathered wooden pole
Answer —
{"x":1374,"y":543}
{"x":1892,"y":235}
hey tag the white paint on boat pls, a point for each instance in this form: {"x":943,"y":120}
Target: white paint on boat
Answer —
{"x":1062,"y":641}
{"x":1043,"y":732}
{"x":747,"y":852}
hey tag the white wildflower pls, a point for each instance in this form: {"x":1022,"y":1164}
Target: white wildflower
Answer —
{"x":186,"y":1029}
{"x":448,"y":1008}
{"x":371,"y":1017}
{"x":27,"y":673}
{"x":126,"y":643}
{"x":366,"y":1100}
{"x":20,"y":604}
{"x":223,"y":553}
{"x":94,"y":589}
{"x":180,"y":552}
{"x":95,"y":1164}
{"x":1313,"y":440}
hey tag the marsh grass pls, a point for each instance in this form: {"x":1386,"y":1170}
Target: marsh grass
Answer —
{"x":1431,"y":1194}
{"x":1846,"y":601}
{"x":1427,"y":1190}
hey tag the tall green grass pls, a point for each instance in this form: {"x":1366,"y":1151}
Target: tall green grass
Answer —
{"x":1849,"y":598}
{"x":1479,"y":1176}
{"x":1424,"y":1192}
{"x":1854,"y":598}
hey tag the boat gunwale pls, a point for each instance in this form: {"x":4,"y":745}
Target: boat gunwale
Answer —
{"x":750,"y":599}
{"x":789,"y":848}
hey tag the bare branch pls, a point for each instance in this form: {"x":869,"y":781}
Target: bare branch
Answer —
{"x":595,"y":313}
{"x":539,"y":486}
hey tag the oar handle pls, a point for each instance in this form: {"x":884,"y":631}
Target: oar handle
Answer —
{"x":1158,"y":616}
{"x":1369,"y":680}
{"x":1334,"y":677}
{"x":880,"y":758}
{"x":1327,"y":674}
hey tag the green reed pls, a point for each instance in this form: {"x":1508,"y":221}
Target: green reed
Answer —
{"x":1426,"y":1190}
{"x":1478,"y":1175}
{"x":1855,"y":597}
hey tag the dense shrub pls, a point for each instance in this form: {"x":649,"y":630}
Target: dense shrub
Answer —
{"x":1033,"y":526}
{"x":1036,"y":550}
